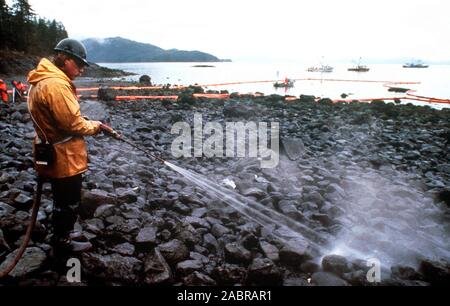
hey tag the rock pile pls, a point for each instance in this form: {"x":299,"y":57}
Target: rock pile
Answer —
{"x":149,"y":225}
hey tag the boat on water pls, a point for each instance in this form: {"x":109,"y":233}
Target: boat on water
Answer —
{"x":359,"y":67}
{"x":415,"y":64}
{"x":323,"y":68}
{"x":287,"y":83}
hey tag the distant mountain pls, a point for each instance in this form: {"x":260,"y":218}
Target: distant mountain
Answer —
{"x":121,"y":50}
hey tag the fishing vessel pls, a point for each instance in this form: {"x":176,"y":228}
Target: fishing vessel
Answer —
{"x":415,"y":64}
{"x":323,"y":68}
{"x":359,"y":67}
{"x":287,"y":83}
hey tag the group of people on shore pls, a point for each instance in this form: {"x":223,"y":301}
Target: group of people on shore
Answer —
{"x":19,"y":91}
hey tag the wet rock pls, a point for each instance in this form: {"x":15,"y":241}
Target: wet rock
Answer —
{"x":237,"y":110}
{"x":357,"y":278}
{"x":186,"y":99}
{"x":174,"y":251}
{"x":147,"y":237}
{"x":131,"y":213}
{"x":5,"y":209}
{"x":92,"y":199}
{"x":443,"y":195}
{"x":125,"y":249}
{"x":263,"y":272}
{"x":336,"y":188}
{"x":188,"y":266}
{"x":125,"y":195}
{"x":294,"y":254}
{"x":165,"y":235}
{"x":314,"y":197}
{"x":327,"y":279}
{"x":199,"y":212}
{"x":250,"y":242}
{"x":407,"y":273}
{"x":104,"y":211}
{"x":219,"y":230}
{"x":227,"y":275}
{"x":324,"y":219}
{"x":236,"y":253}
{"x":210,"y":243}
{"x":198,"y":279}
{"x":95,"y":225}
{"x":269,"y":250}
{"x":3,"y":244}
{"x":106,"y":94}
{"x":112,"y":267}
{"x":130,"y":226}
{"x":115,"y":222}
{"x":189,"y":237}
{"x":23,"y":201}
{"x":156,"y":269}
{"x":31,"y":261}
{"x":199,"y":257}
{"x":254,"y":192}
{"x":310,"y":267}
{"x":145,"y":80}
{"x":294,"y":148}
{"x":197,"y":222}
{"x":435,"y":272}
{"x":288,"y":208}
{"x":336,"y":264}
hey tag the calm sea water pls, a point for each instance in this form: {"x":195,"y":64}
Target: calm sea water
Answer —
{"x":434,"y":81}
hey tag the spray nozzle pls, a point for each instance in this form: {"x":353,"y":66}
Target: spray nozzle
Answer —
{"x":110,"y":131}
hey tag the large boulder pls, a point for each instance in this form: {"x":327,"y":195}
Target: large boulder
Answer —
{"x":145,"y":80}
{"x":106,"y":94}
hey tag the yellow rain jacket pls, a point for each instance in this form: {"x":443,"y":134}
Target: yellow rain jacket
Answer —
{"x":54,"y":106}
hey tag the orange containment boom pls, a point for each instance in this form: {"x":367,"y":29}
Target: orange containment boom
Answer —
{"x":389,"y":84}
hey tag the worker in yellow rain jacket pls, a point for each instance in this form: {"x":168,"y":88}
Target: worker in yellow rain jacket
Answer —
{"x":57,"y":121}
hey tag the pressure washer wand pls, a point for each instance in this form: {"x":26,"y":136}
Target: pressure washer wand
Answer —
{"x":116,"y":135}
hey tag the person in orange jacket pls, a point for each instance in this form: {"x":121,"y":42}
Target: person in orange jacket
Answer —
{"x":20,"y":89}
{"x":57,"y":120}
{"x":3,"y":91}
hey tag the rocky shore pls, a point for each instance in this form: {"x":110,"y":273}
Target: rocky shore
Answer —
{"x":364,"y":177}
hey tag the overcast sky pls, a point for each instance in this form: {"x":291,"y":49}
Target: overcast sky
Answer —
{"x":275,"y":29}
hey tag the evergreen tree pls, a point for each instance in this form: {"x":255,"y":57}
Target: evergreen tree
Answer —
{"x":22,"y":30}
{"x":5,"y":28}
{"x":23,"y":24}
